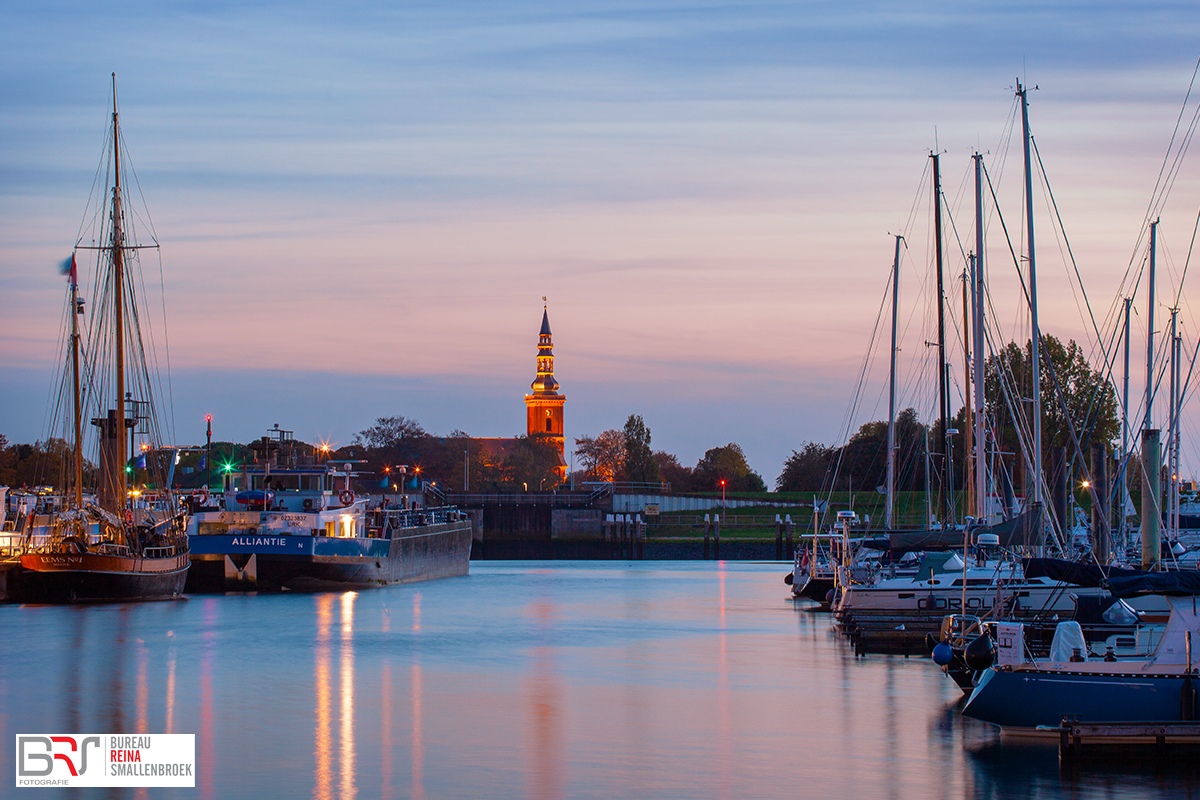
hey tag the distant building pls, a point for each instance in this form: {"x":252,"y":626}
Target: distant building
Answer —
{"x":544,"y":405}
{"x":543,"y":411}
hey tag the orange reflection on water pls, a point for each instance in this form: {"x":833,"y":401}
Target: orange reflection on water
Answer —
{"x":207,"y":651}
{"x":724,"y":732}
{"x":142,"y":703}
{"x":143,"y":688}
{"x":385,"y":731}
{"x":418,"y":721}
{"x":546,"y":779}
{"x":170,"y":725}
{"x":418,"y":736}
{"x":323,"y":737}
{"x":348,"y":789}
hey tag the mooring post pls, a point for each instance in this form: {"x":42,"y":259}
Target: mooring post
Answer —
{"x":787,"y":527}
{"x":778,"y":539}
{"x":640,"y":532}
{"x":717,"y":537}
{"x":706,"y":530}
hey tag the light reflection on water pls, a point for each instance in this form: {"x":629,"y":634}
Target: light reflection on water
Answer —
{"x":547,"y":680}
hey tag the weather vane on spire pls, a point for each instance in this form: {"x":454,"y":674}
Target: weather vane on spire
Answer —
{"x":544,"y":298}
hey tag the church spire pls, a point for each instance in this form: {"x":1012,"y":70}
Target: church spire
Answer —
{"x":544,"y":404}
{"x":544,"y":383}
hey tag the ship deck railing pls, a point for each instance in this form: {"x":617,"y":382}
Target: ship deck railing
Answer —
{"x":159,"y":552}
{"x":399,"y":518}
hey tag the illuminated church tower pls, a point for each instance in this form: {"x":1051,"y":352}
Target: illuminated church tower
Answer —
{"x":544,"y":404}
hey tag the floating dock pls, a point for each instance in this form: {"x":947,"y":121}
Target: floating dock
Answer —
{"x":1081,"y":741}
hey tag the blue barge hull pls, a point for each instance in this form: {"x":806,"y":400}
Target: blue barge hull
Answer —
{"x":224,"y":562}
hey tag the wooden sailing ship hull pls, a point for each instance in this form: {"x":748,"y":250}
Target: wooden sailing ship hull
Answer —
{"x":97,"y":578}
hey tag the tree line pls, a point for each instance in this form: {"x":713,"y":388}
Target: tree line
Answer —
{"x":625,"y":456}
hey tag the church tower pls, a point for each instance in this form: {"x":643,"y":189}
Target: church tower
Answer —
{"x":544,"y":405}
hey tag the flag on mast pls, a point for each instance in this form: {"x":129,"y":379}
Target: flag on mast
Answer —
{"x":67,"y":267}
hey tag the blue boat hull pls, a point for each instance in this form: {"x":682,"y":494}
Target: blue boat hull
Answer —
{"x":225,"y":562}
{"x":1026,"y":699}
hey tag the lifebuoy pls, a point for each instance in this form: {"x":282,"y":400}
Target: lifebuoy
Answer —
{"x":347,"y":497}
{"x":201,"y":495}
{"x":129,"y":516}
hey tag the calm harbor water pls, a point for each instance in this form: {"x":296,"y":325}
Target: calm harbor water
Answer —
{"x":525,"y":679}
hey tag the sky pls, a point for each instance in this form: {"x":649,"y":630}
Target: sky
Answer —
{"x":361,"y":205}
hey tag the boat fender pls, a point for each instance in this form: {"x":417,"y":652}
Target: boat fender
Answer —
{"x":943,"y":654}
{"x":788,"y":579}
{"x":980,"y":653}
{"x":347,"y":497}
{"x":830,"y":595}
{"x":1187,"y":700}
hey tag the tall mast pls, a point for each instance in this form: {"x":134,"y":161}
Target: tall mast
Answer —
{"x":968,"y":411}
{"x":977,"y":318}
{"x":1147,"y":422}
{"x":941,"y":340}
{"x":1175,"y":444}
{"x":889,"y":513}
{"x":118,"y":261}
{"x":75,"y":312}
{"x":1173,"y":432}
{"x":1035,"y":356}
{"x":1124,"y":476}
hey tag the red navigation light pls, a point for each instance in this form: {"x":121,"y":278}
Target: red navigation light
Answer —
{"x":208,"y":418}
{"x":722,"y":481}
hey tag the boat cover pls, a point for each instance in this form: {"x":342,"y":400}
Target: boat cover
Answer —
{"x":916,"y":541}
{"x":1023,"y":529}
{"x":1068,"y":637}
{"x":1181,"y":582}
{"x":1077,"y":572}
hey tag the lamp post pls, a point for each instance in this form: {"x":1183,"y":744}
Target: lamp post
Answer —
{"x":208,"y":455}
{"x":722,"y":497}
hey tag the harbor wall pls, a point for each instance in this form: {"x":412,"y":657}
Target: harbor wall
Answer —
{"x":673,"y":549}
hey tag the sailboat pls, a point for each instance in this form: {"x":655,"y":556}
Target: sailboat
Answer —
{"x":125,"y":543}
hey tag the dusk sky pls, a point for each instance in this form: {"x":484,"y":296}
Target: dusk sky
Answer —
{"x":361,"y":205}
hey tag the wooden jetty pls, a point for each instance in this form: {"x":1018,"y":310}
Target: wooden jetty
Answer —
{"x":1080,"y":741}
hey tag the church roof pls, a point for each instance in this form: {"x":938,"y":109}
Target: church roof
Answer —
{"x":545,"y":324}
